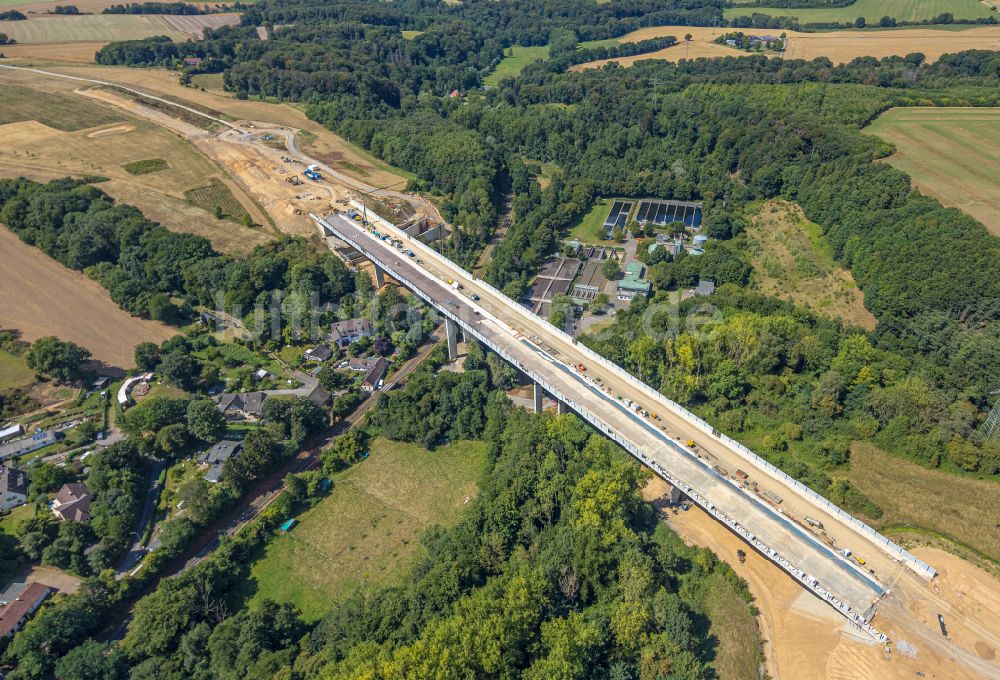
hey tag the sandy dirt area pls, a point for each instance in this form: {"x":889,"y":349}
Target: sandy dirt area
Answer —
{"x":41,"y":297}
{"x":805,"y":639}
{"x":838,"y":46}
{"x":58,"y":579}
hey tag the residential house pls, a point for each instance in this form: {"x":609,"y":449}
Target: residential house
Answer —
{"x":15,"y":613}
{"x":633,"y":284}
{"x":359,"y":364}
{"x":13,"y":487}
{"x":318,"y":353}
{"x":72,"y":503}
{"x":374,"y":375}
{"x":215,"y":458}
{"x":192,"y":61}
{"x":19,"y":447}
{"x":705,"y":287}
{"x":242,"y":405}
{"x":343,"y":333}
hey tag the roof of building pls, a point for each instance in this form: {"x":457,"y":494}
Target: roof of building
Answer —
{"x":360,"y":364}
{"x":705,"y":287}
{"x":11,"y":431}
{"x":72,"y":502}
{"x":319,"y":353}
{"x":376,"y":373}
{"x":217,"y":456}
{"x":350,"y":328}
{"x":13,"y":480}
{"x":248,"y":402}
{"x":15,"y":612}
{"x":633,"y":278}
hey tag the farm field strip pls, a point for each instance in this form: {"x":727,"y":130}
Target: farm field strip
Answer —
{"x":42,"y":297}
{"x":194,"y":25}
{"x":950,"y":154}
{"x":88,"y":28}
{"x":873,"y":10}
{"x":838,"y":46}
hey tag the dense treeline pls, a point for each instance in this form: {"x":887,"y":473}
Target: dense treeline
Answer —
{"x":143,"y":265}
{"x":154,"y":8}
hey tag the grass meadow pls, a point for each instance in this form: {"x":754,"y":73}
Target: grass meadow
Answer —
{"x":366,"y":533}
{"x":518,"y":57}
{"x":952,"y":154}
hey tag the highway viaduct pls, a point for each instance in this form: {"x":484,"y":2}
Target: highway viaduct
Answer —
{"x":762,"y":505}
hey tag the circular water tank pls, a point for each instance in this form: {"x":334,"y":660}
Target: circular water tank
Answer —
{"x":700,"y":240}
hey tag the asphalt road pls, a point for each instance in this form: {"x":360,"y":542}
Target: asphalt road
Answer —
{"x":534,"y":346}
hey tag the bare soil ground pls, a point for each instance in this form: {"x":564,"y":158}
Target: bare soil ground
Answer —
{"x":793,"y":262}
{"x":838,"y":46}
{"x":804,"y":638}
{"x":62,"y":581}
{"x":41,"y":297}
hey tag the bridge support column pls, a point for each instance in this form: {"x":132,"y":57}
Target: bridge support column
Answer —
{"x":451,"y":331}
{"x":539,"y":397}
{"x":379,"y":277}
{"x":561,"y":407}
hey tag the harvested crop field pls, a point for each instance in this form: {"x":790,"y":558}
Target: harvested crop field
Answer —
{"x":792,"y":261}
{"x":838,"y":46}
{"x":43,"y":53}
{"x":873,"y":10}
{"x":952,"y":154}
{"x":41,"y":297}
{"x":194,"y":25}
{"x":62,"y":113}
{"x":88,"y":28}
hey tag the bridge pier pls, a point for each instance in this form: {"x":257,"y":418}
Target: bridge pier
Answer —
{"x":451,"y":331}
{"x":379,"y":277}
{"x":539,"y":397}
{"x":561,"y":407}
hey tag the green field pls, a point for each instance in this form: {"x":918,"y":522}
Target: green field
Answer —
{"x":518,"y":57}
{"x":590,"y":228}
{"x":952,"y":154}
{"x":13,"y":372}
{"x":209,"y":81}
{"x":19,"y":104}
{"x":366,"y":533}
{"x":410,"y":35}
{"x":873,"y":10}
{"x":216,"y":194}
{"x":87,"y":28}
{"x":144,"y":167}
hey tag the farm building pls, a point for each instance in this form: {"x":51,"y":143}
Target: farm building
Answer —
{"x":343,"y":333}
{"x":215,"y":458}
{"x":633,"y":284}
{"x":19,"y":447}
{"x":72,"y":503}
{"x":13,"y":487}
{"x":17,"y":611}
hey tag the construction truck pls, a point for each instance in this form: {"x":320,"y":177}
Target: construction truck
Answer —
{"x":690,"y":443}
{"x":741,"y":556}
